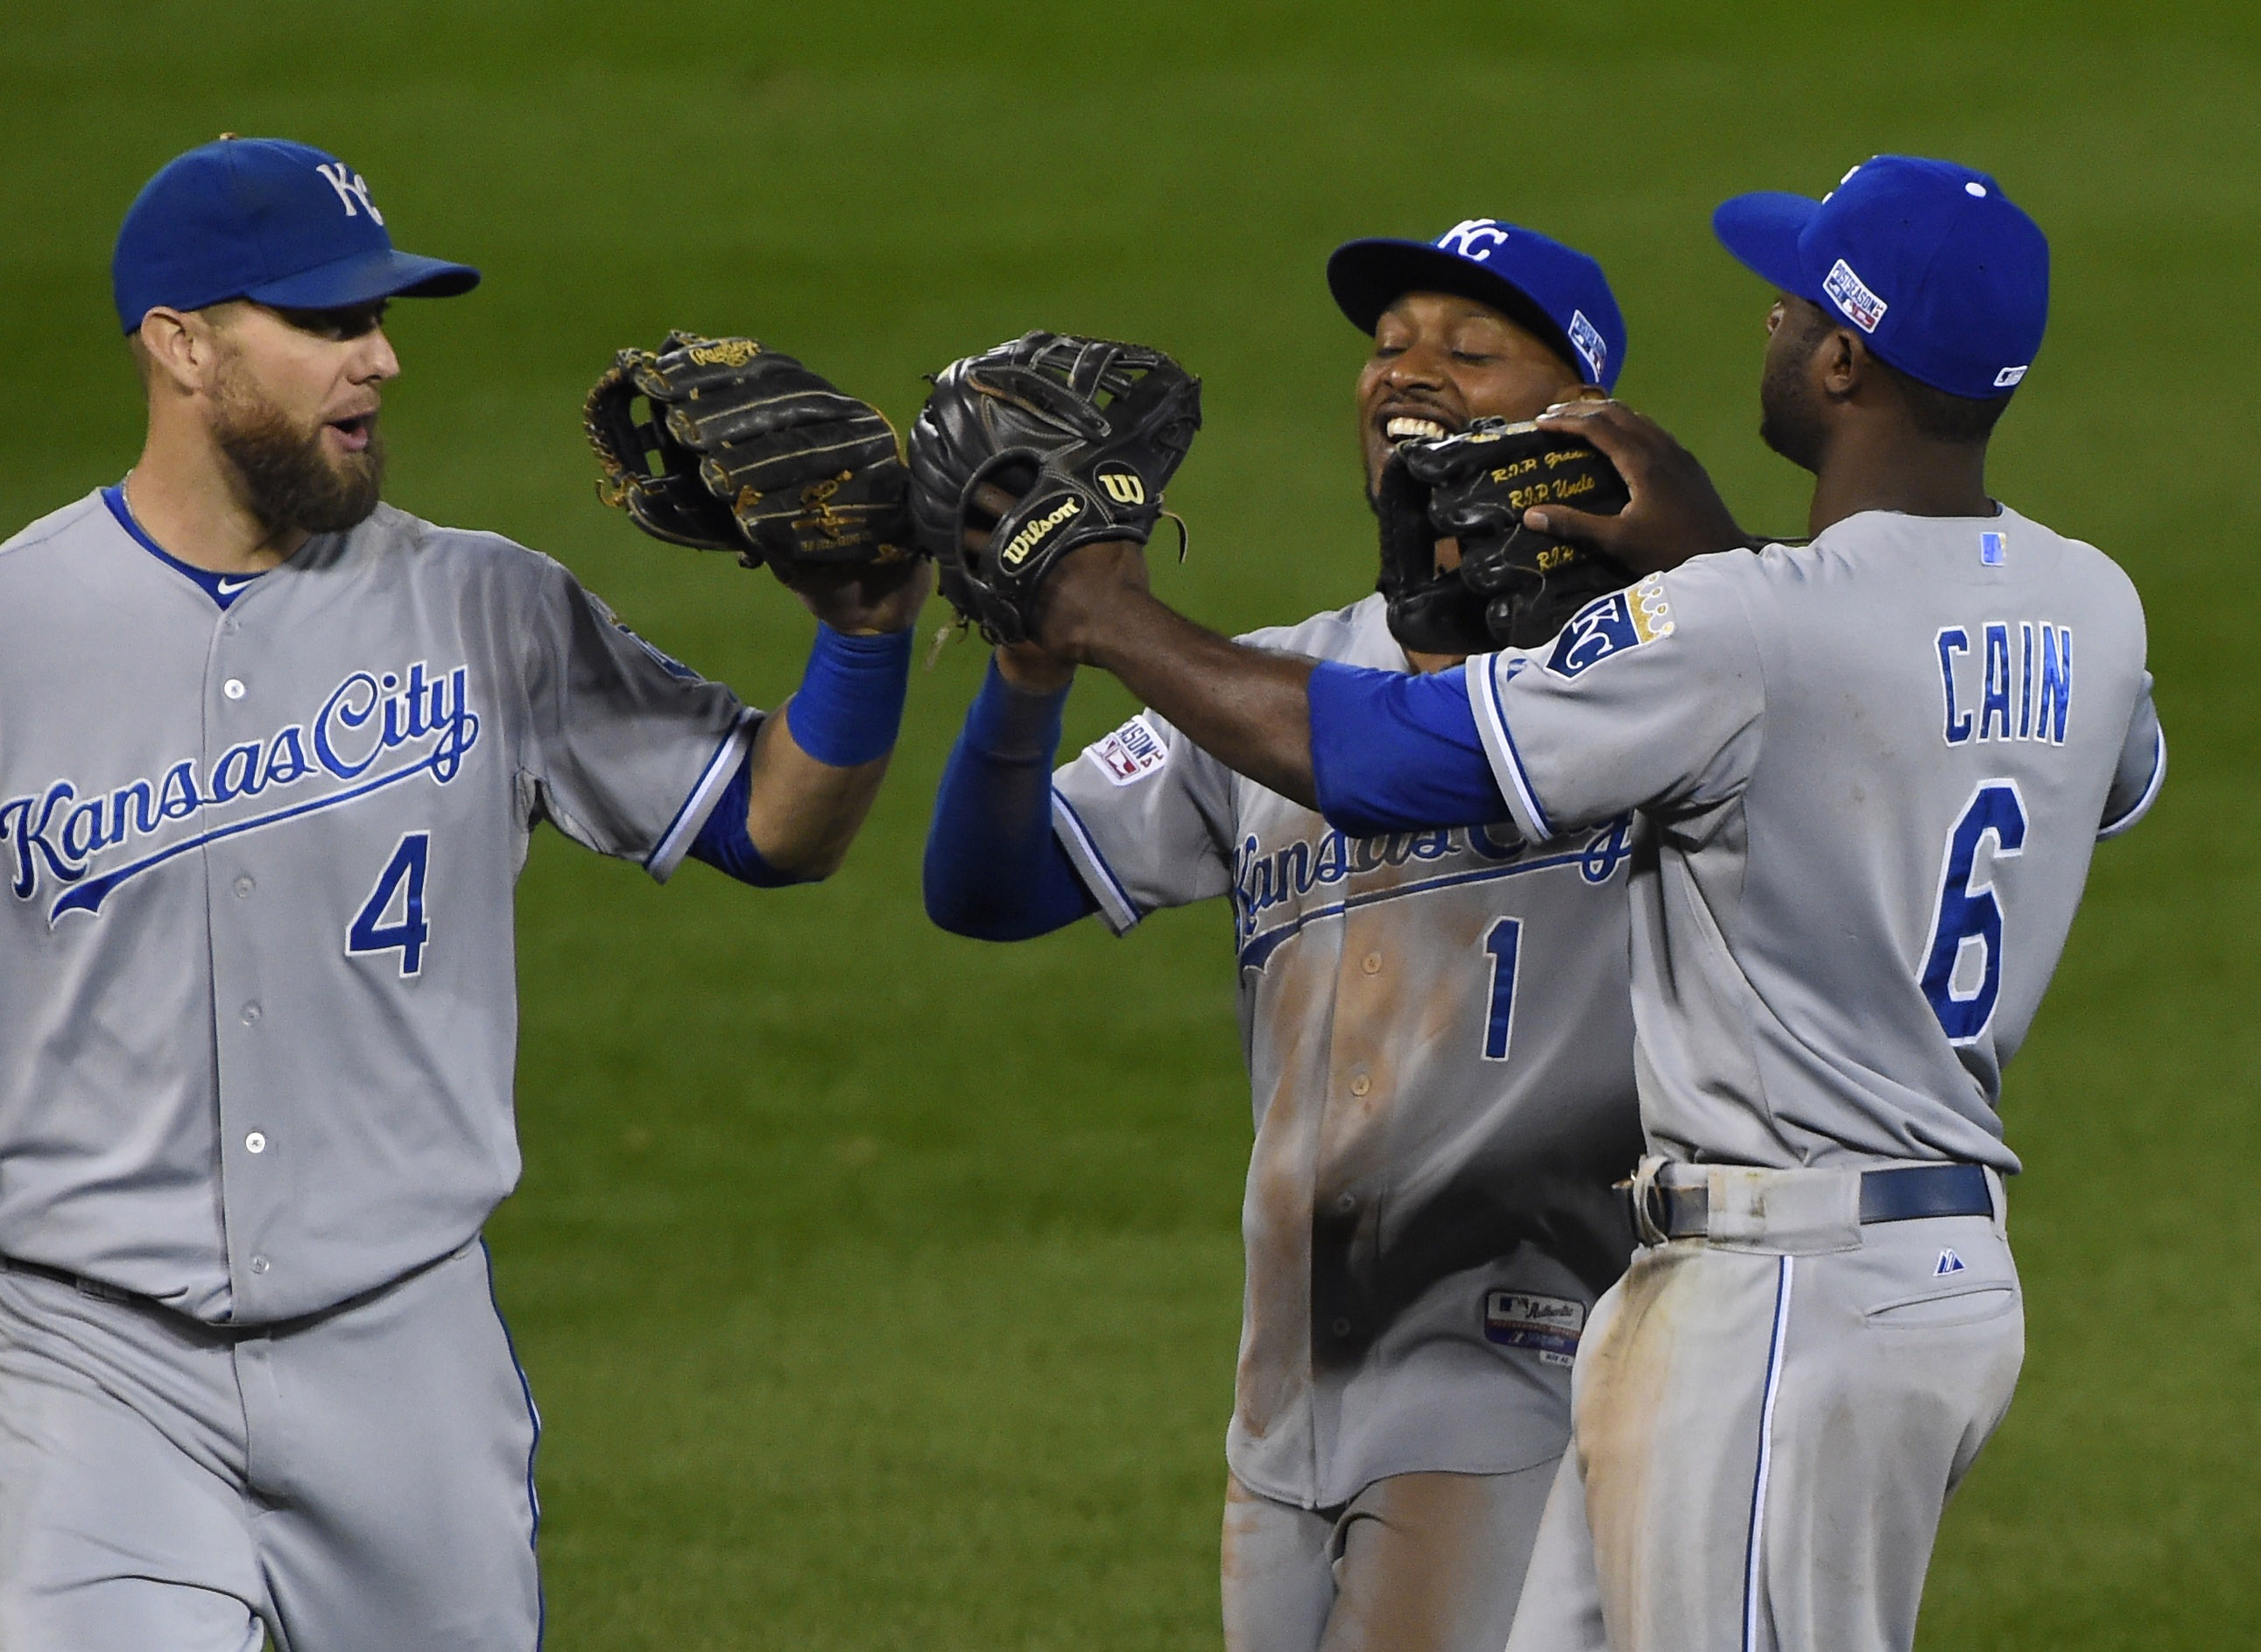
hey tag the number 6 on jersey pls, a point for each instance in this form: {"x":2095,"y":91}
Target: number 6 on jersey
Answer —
{"x":400,"y":885}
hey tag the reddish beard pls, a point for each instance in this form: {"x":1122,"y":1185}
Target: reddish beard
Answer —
{"x":284,"y":475}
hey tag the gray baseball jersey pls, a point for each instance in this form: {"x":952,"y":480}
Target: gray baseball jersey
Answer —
{"x":1439,"y":1035}
{"x":1876,"y":779}
{"x":260,"y":1010}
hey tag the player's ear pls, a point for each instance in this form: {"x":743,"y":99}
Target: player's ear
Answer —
{"x":173,"y":352}
{"x":1842,"y":362}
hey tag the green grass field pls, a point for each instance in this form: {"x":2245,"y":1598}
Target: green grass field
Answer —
{"x":911,"y":1324}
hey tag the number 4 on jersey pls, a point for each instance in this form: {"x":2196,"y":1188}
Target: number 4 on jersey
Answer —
{"x":400,"y":889}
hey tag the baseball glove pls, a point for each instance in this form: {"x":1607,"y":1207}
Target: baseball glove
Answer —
{"x":747,"y":450}
{"x":1477,"y":485}
{"x":1084,"y":434}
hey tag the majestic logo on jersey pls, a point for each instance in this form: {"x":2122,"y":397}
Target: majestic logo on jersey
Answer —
{"x":1264,"y":879}
{"x":1851,"y":294}
{"x":2008,"y":377}
{"x":1132,"y":752}
{"x":2021,"y":694}
{"x":1463,"y":238}
{"x":375,"y":730}
{"x":351,"y":189}
{"x":1629,"y":619}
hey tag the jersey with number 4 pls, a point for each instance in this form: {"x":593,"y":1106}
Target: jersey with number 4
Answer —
{"x":1439,"y":1036}
{"x":258,"y":1009}
{"x":1876,"y":766}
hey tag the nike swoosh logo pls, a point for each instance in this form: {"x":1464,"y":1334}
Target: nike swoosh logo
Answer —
{"x":229,"y":587}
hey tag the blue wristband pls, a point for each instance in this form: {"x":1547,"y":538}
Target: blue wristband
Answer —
{"x":849,"y":705}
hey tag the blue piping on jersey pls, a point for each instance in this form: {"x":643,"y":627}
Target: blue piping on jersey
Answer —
{"x":716,"y":776}
{"x":213,"y":585}
{"x":2142,"y":806}
{"x":534,"y":1415}
{"x":1484,"y":697}
{"x":1257,"y":952}
{"x":1758,"y":1476}
{"x":1124,"y":908}
{"x":88,"y":897}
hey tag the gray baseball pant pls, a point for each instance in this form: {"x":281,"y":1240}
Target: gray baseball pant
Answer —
{"x":1767,"y":1423}
{"x":357,"y":1482}
{"x":1415,"y":1563}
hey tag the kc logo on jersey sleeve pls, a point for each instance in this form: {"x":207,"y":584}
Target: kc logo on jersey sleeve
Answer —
{"x":1622,"y":620}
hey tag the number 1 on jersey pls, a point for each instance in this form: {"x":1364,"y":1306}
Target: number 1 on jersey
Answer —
{"x":1504,"y":941}
{"x":401,"y":884}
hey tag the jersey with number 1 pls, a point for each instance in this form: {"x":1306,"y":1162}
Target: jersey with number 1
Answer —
{"x":257,"y":981}
{"x":1876,"y":766}
{"x":1438,"y":1037}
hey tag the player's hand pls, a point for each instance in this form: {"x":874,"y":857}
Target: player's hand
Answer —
{"x":867,"y":599}
{"x":1674,"y":513}
{"x":1083,"y":591}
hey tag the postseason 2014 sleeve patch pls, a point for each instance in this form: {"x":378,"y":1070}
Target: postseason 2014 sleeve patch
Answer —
{"x":1131,"y":753}
{"x":1624,"y":620}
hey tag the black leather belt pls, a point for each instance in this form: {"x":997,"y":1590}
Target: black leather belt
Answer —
{"x":84,"y":1286}
{"x":1901,"y":1195}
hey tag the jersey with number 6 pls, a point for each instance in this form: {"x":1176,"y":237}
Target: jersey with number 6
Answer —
{"x":257,"y":984}
{"x":1877,"y":766}
{"x":1439,"y":1035}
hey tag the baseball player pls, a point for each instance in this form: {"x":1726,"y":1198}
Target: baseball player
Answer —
{"x":271,"y":755}
{"x":1437,"y":1027}
{"x":1874,"y":778}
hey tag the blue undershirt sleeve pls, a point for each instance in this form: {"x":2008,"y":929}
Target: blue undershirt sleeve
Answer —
{"x":994,"y":870}
{"x":1396,"y":753}
{"x":722,"y":842}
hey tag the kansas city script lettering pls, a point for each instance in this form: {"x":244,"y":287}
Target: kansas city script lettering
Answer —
{"x":61,"y":832}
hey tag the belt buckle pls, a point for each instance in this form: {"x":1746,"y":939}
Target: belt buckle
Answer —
{"x":1651,"y":1219}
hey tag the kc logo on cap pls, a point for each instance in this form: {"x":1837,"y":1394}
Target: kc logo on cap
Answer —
{"x":261,"y":219}
{"x":350,"y":187}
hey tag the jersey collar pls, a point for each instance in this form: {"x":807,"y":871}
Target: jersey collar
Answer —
{"x":223,"y":589}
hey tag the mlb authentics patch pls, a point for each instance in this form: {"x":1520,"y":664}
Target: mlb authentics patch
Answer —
{"x":1131,"y":753}
{"x":1550,"y":1325}
{"x":1611,"y":624}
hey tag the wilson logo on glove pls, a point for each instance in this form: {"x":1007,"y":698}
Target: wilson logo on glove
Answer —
{"x":1082,"y":433}
{"x":1122,"y":486}
{"x":1017,"y":548}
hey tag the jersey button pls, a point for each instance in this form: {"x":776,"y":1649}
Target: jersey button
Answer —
{"x":1347,"y":1203}
{"x":232,"y":688}
{"x":1373,"y":963}
{"x":243,"y":887}
{"x":255,"y":1142}
{"x":1341,"y":1327}
{"x":251,"y":1012}
{"x":259,"y":1264}
{"x":1360,"y":1084}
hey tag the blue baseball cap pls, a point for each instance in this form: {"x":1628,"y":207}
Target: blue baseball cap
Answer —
{"x":1943,"y":273}
{"x":275,"y":222}
{"x":1554,"y":291}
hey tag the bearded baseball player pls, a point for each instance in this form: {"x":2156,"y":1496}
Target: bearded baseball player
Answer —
{"x":1437,"y":1027}
{"x":271,"y":755}
{"x":1873,"y":790}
